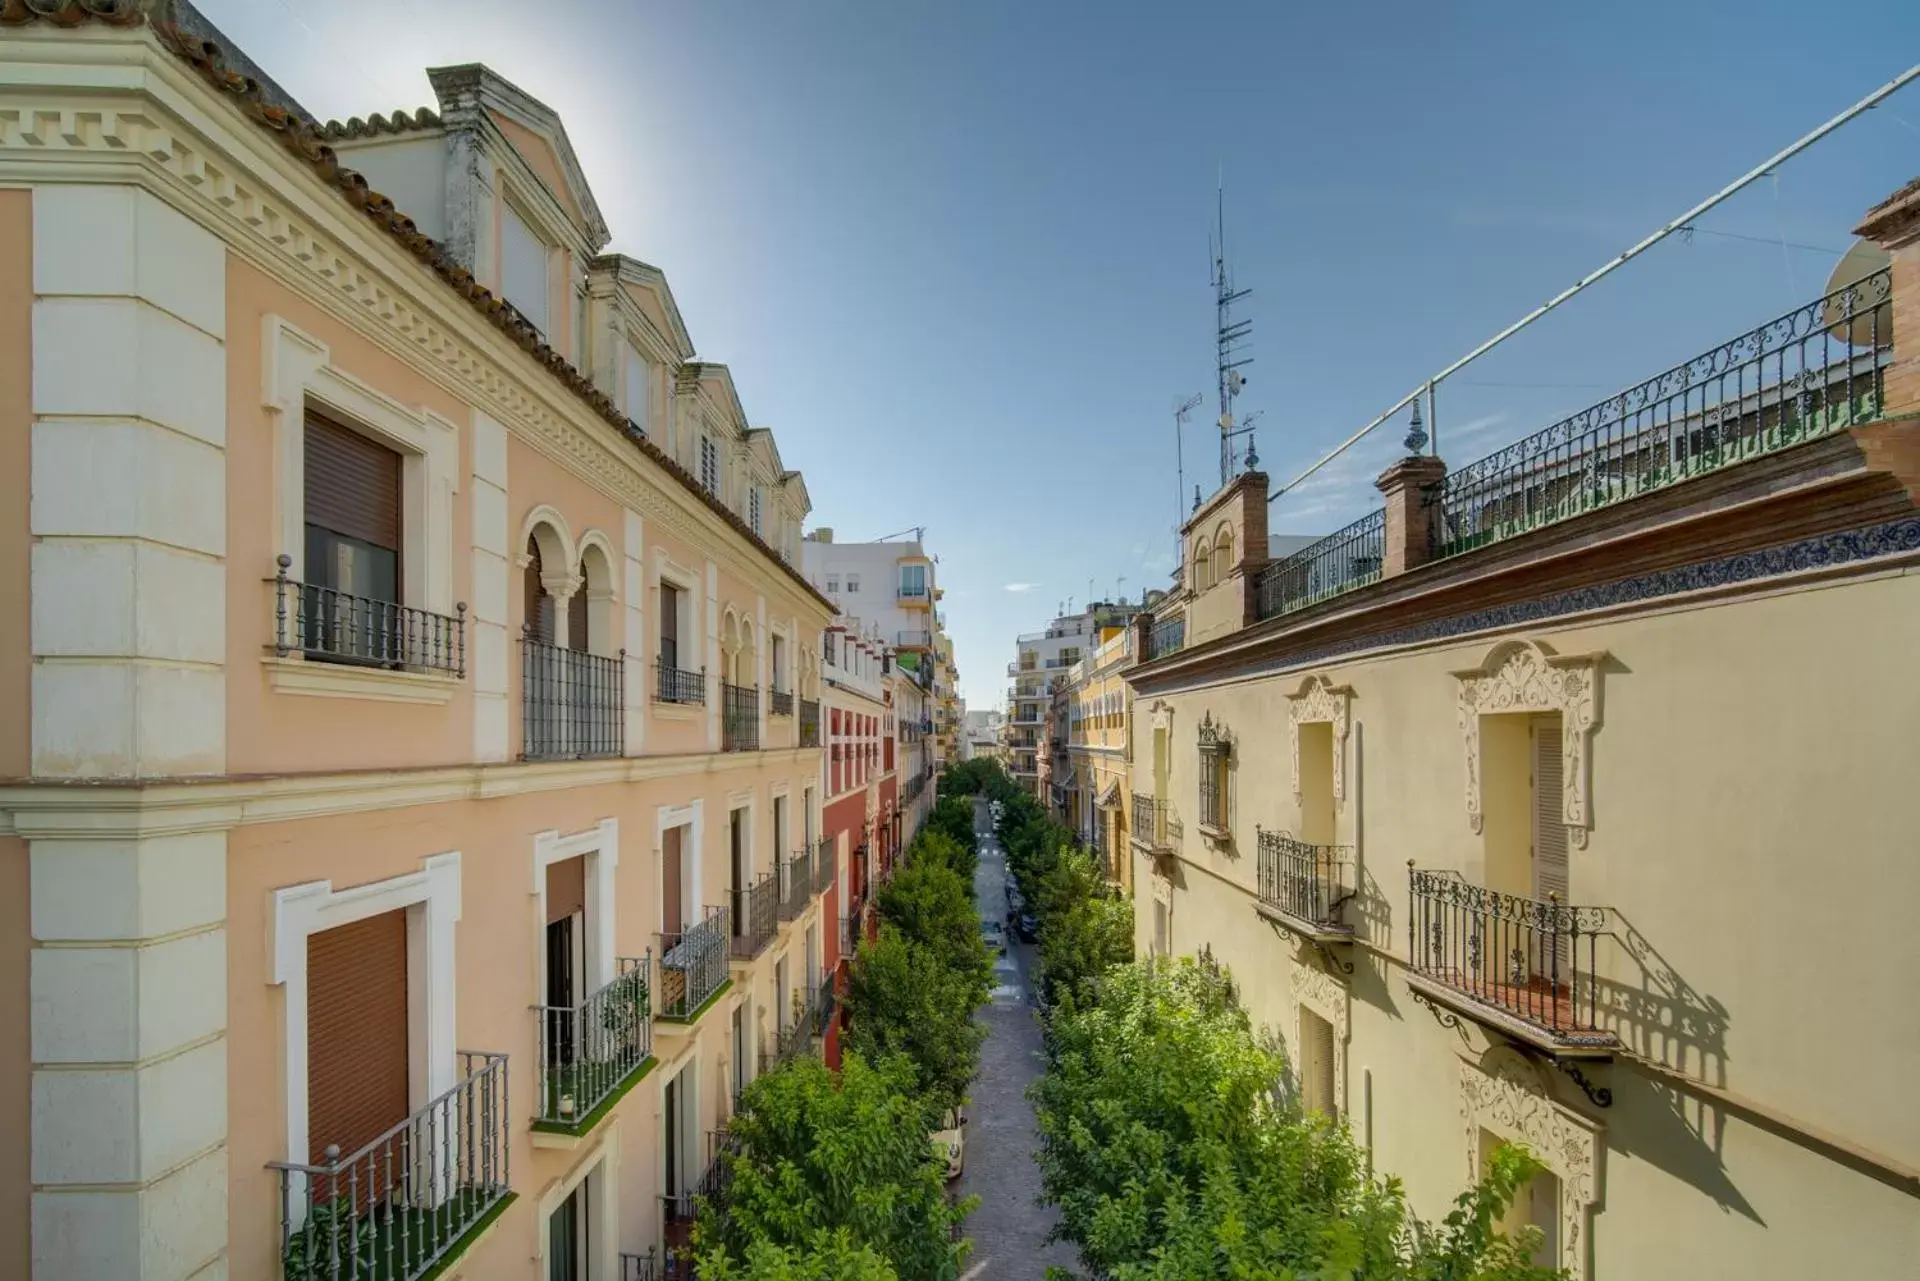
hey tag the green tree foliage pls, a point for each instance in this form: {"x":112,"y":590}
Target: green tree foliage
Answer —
{"x":1086,"y":925}
{"x":904,"y":999}
{"x":1173,"y":1157}
{"x":937,"y":847}
{"x":981,"y":776}
{"x":834,"y":1171}
{"x":931,"y":907}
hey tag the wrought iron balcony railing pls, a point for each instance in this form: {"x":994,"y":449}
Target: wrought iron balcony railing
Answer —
{"x":850,"y":935}
{"x":332,"y":626}
{"x":693,"y":965}
{"x":753,"y":918}
{"x":677,"y":685}
{"x":702,"y":1195}
{"x":914,"y":638}
{"x":641,"y":1267}
{"x":1816,"y":370}
{"x":809,"y":722}
{"x":1343,"y":560}
{"x":1305,"y":886}
{"x":394,"y":1209}
{"x":572,"y":704}
{"x":739,"y":717}
{"x":822,"y":860}
{"x":1168,"y":636}
{"x":780,"y":703}
{"x":821,"y":1003}
{"x":587,"y":1050}
{"x":1524,"y":964}
{"x":796,"y":885}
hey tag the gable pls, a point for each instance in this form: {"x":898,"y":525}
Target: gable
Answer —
{"x":544,"y":161}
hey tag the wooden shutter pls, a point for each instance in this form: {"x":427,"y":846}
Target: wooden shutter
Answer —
{"x":1549,"y":823}
{"x":566,"y":887}
{"x":1316,"y":1062}
{"x":356,"y":1033}
{"x":352,"y":484}
{"x":538,"y":606}
{"x":670,"y":921}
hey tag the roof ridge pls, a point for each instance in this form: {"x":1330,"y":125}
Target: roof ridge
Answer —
{"x":377,"y":124}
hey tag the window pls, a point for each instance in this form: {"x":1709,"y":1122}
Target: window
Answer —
{"x":1202,"y":568}
{"x":1316,"y":1063}
{"x":349,"y":606}
{"x":913,"y":581}
{"x":753,"y":510}
{"x":580,"y":329}
{"x":833,"y":589}
{"x":523,"y":268}
{"x":777,"y":654}
{"x":1213,"y":776}
{"x":710,"y":465}
{"x":853,"y":584}
{"x":639,"y":376}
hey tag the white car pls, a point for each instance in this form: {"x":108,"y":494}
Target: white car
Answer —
{"x":950,"y":1141}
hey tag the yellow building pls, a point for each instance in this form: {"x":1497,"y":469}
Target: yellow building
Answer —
{"x":410,"y":714}
{"x":1100,"y":751}
{"x":1568,"y":798}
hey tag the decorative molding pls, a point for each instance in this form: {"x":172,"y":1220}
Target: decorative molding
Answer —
{"x":299,"y":911}
{"x":600,"y":846}
{"x":295,"y":675}
{"x":1320,"y":700}
{"x":567,"y":553}
{"x":1526,"y":676}
{"x":1506,"y":1095}
{"x":1315,"y":989}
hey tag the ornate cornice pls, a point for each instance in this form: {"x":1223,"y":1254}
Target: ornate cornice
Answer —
{"x":1319,"y":700}
{"x":1507,"y":1096}
{"x":1526,"y":676}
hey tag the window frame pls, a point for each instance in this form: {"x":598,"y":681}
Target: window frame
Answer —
{"x":511,"y":208}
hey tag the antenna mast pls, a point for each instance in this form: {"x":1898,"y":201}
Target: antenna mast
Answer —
{"x":1180,"y":412}
{"x":1230,"y":338}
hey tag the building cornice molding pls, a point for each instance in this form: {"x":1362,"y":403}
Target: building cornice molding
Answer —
{"x":65,"y":811}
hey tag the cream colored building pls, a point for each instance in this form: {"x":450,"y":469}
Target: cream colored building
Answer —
{"x":1099,"y":707}
{"x":404,"y":683}
{"x":1567,"y":798}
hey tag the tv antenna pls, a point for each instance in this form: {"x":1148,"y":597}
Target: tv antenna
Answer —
{"x":1230,"y":340}
{"x":1180,"y":411}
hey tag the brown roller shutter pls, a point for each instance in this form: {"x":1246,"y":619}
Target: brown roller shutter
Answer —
{"x":670,"y":921}
{"x":566,"y":888}
{"x":352,"y":484}
{"x":538,"y":611}
{"x":356,"y":1033}
{"x":577,"y":620}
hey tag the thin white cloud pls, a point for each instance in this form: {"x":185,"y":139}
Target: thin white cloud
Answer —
{"x":1021,"y":588}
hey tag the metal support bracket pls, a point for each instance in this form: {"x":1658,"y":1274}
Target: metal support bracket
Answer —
{"x":1599,"y":1095}
{"x":1445,"y":1017}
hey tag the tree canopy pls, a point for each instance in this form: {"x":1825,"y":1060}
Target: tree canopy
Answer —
{"x":904,"y":999}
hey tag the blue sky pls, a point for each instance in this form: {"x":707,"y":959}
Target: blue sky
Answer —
{"x":955,"y":253}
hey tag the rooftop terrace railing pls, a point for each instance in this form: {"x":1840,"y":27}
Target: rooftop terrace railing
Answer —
{"x":1340,"y":562}
{"x":1816,"y":370}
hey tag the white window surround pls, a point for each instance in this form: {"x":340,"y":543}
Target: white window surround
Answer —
{"x":603,"y":1218}
{"x":298,"y":372}
{"x":691,"y":815}
{"x":431,"y":898}
{"x":526,"y":266}
{"x":600,"y":846}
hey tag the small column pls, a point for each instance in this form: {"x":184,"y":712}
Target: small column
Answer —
{"x":1411,"y":487}
{"x":1894,"y":224}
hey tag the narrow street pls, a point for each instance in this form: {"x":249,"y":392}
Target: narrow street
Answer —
{"x":1009,"y":1230}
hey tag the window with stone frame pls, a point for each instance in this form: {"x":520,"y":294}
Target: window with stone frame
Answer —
{"x":1214,"y":777}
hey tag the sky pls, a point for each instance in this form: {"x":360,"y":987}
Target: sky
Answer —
{"x":956,"y":253}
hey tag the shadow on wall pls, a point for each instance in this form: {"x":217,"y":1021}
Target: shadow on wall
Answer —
{"x":1664,"y":1019}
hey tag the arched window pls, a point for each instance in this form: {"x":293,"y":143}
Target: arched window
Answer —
{"x":590,"y":612}
{"x":1202,"y":567}
{"x":1223,"y":552}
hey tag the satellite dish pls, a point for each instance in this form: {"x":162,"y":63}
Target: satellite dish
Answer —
{"x":1869,"y":323}
{"x":1235,"y":382}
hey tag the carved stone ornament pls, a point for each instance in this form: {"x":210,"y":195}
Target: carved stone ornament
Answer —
{"x":1525,"y":676}
{"x":1163,"y":890}
{"x":1319,"y":991}
{"x":1508,"y":1097}
{"x":1320,"y":700}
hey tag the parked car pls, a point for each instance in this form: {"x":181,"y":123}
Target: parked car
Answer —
{"x":1026,"y":927}
{"x":950,"y":1141}
{"x":994,"y":936}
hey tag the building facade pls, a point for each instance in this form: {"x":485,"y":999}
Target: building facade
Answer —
{"x":859,"y":785}
{"x":407,"y":695}
{"x":1098,"y":709}
{"x":1037,"y":671}
{"x":1500,"y":803}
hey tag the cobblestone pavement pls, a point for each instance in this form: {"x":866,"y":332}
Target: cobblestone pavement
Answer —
{"x":1009,"y":1230}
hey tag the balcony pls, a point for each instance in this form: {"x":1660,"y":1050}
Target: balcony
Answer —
{"x":753,"y":918}
{"x":1168,"y":636}
{"x":1303,"y":888}
{"x":780,"y":703}
{"x":850,"y":935}
{"x":413,"y":1198}
{"x":572,"y":703}
{"x":823,"y":869}
{"x":693,"y":967}
{"x":641,"y":1267}
{"x":1340,"y":562}
{"x":739,"y":717}
{"x":678,"y":686}
{"x":704,"y":1194}
{"x":592,"y":1053}
{"x":914,"y":597}
{"x":809,"y":722}
{"x":914,"y":639}
{"x":1153,"y":826}
{"x":796,"y":885}
{"x":331,"y":626}
{"x":1522,"y":966}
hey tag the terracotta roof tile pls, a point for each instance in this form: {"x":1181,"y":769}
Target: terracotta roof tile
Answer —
{"x":376,"y":124}
{"x":308,"y":141}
